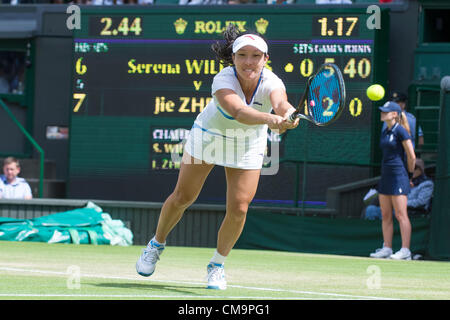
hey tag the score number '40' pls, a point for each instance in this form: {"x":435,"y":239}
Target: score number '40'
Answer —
{"x":361,"y":67}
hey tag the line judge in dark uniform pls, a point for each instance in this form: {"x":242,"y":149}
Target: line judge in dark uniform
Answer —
{"x":397,"y":167}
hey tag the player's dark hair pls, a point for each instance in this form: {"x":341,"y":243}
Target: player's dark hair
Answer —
{"x":224,"y":49}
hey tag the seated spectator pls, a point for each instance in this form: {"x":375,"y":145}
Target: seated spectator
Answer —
{"x":241,"y":1}
{"x":4,"y":83}
{"x":11,"y":186}
{"x":106,"y":2}
{"x":116,"y":2}
{"x":16,"y":2}
{"x":278,"y":2}
{"x":334,"y":2}
{"x":202,"y":2}
{"x":419,"y":198}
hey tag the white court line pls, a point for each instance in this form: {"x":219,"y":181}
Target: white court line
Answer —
{"x":31,"y":295}
{"x":344,"y":296}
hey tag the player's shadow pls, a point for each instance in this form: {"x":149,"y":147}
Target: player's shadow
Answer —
{"x":146,"y":286}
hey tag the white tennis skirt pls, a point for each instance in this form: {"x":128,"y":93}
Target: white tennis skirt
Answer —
{"x":243,"y":151}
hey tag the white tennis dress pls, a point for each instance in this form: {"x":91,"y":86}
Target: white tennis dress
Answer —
{"x":217,"y":138}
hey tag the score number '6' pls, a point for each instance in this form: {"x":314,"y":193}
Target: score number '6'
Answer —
{"x":80,"y":69}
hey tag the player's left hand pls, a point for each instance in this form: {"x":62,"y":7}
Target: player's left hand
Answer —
{"x":291,"y":124}
{"x":287,"y":125}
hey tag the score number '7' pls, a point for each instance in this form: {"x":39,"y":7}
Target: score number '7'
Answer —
{"x":80,"y":97}
{"x":81,"y":70}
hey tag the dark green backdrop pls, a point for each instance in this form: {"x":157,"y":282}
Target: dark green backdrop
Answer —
{"x":343,"y":236}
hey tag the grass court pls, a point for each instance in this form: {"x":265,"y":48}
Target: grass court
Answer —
{"x":31,"y":270}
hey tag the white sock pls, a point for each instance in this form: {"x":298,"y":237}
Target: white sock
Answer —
{"x":217,"y":258}
{"x":156,"y":243}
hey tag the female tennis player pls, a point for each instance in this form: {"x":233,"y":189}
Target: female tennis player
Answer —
{"x":230,"y":132}
{"x":394,"y":185}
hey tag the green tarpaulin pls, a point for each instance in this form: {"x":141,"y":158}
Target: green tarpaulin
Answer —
{"x":88,"y":225}
{"x":343,"y":236}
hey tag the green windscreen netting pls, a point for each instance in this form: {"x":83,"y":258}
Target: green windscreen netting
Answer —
{"x":440,"y":224}
{"x":342,"y":236}
{"x":88,"y":225}
{"x":328,"y":145}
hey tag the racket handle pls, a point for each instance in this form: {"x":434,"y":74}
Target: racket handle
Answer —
{"x":293,"y":116}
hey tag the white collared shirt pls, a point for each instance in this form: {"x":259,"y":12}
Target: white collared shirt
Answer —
{"x":18,"y":189}
{"x":216,"y":137}
{"x":215,"y":117}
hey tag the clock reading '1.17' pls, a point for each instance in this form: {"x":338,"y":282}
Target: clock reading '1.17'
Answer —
{"x":335,"y":26}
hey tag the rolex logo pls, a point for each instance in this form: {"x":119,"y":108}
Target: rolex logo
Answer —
{"x":261,"y":25}
{"x":180,"y":25}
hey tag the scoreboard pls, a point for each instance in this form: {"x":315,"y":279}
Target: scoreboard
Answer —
{"x":141,"y":76}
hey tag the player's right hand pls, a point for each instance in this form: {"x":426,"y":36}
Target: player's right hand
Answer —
{"x":277,"y":123}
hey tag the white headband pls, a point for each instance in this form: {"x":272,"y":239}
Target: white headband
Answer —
{"x":250,"y":40}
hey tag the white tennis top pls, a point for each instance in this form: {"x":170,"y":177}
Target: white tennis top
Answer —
{"x":243,"y":145}
{"x":19,"y":189}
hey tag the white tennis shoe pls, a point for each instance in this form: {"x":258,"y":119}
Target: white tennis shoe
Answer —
{"x":216,"y":276}
{"x":146,"y":263}
{"x":402,"y":254}
{"x":383,"y":253}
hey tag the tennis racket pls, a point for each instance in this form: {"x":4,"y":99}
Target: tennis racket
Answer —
{"x":324,"y":96}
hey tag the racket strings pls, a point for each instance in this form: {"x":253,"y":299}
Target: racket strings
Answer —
{"x":325,"y":92}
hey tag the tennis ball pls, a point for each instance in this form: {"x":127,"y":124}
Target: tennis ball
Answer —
{"x":375,"y":92}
